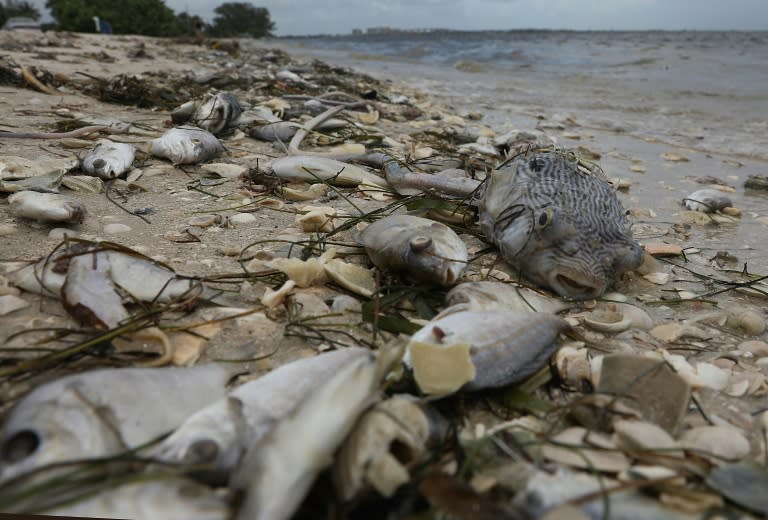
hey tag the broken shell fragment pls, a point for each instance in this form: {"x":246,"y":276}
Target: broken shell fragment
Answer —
{"x":388,"y":440}
{"x":495,"y":348}
{"x":717,"y":443}
{"x":317,"y":219}
{"x":47,"y":207}
{"x":419,"y":248}
{"x":352,"y":277}
{"x":581,"y":448}
{"x":617,"y":317}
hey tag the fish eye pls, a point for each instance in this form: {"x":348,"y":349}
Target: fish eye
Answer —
{"x":537,"y":164}
{"x":202,"y":452}
{"x":420,"y":243}
{"x":19,"y":446}
{"x":545,"y":218}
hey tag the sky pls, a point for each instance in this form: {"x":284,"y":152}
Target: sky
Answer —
{"x":302,"y":17}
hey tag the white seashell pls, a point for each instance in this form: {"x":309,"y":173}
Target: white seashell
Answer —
{"x":10,"y":303}
{"x":226,"y":170}
{"x":108,"y":159}
{"x":47,"y":207}
{"x":503,"y":347}
{"x":274,"y":298}
{"x":313,"y":169}
{"x":312,"y":192}
{"x":716,"y":443}
{"x":317,"y":219}
{"x":617,"y":317}
{"x":352,"y":277}
{"x":640,"y":437}
{"x":305,"y":273}
{"x":581,"y":452}
{"x":657,"y":278}
{"x":186,"y":145}
{"x":280,"y":466}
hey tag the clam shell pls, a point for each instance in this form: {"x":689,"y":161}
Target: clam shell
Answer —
{"x":716,"y":443}
{"x":226,"y":170}
{"x":352,"y":277}
{"x":581,"y":452}
{"x":83,"y":183}
{"x":504,"y":347}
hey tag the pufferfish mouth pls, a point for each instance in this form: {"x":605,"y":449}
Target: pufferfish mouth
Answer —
{"x":576,"y":287}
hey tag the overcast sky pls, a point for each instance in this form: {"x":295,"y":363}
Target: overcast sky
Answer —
{"x":296,"y":17}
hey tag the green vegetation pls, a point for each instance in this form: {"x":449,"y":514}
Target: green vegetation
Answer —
{"x":241,"y":19}
{"x":154,"y":18}
{"x":13,"y":9}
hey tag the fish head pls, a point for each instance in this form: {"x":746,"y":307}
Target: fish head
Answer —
{"x":216,"y":113}
{"x":555,"y":250}
{"x":58,"y":428}
{"x":435,"y":257}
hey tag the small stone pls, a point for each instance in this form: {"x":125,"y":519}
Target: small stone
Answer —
{"x":61,"y":233}
{"x":674,"y":157}
{"x":731,"y":211}
{"x":116,"y":228}
{"x":239,"y":219}
{"x":756,"y":347}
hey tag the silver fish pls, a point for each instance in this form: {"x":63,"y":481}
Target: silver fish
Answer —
{"x":103,"y":412}
{"x":504,"y":347}
{"x":421,"y":249}
{"x":215,"y":113}
{"x":707,"y":200}
{"x":488,"y":295}
{"x":559,"y":223}
{"x":218,"y":435}
{"x":47,"y":207}
{"x":186,"y":145}
{"x":108,"y":159}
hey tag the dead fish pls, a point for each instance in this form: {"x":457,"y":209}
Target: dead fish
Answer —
{"x":177,"y":499}
{"x":488,"y":295}
{"x":281,"y":131}
{"x":186,"y":145}
{"x":47,"y":207}
{"x":476,"y":350}
{"x":217,"y":436}
{"x":560,"y":223}
{"x":141,"y":277}
{"x":103,"y":412}
{"x":419,"y":248}
{"x":707,"y":200}
{"x":215,"y":113}
{"x":313,"y":168}
{"x":108,"y":159}
{"x":281,"y":465}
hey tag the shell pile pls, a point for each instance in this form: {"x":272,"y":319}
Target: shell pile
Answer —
{"x":322,"y":315}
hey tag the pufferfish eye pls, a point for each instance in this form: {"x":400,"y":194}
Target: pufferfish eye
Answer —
{"x":545,"y":218}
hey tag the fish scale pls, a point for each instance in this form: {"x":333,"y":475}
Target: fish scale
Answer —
{"x":562,"y":227}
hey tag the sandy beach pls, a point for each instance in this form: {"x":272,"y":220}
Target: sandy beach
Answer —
{"x":656,"y":137}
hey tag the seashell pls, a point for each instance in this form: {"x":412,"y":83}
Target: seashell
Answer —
{"x":274,"y":298}
{"x":574,"y":367}
{"x":83,"y":183}
{"x":716,"y":443}
{"x":226,"y":170}
{"x":657,"y":278}
{"x":421,"y":249}
{"x":707,"y":201}
{"x":755,"y":347}
{"x":581,"y":452}
{"x":352,"y":277}
{"x":495,"y":348}
{"x":94,"y":413}
{"x":10,"y":303}
{"x":313,"y":169}
{"x":317,"y":219}
{"x":305,"y":273}
{"x":637,"y":168}
{"x":42,"y":174}
{"x":368,"y":118}
{"x":312,"y":192}
{"x":749,"y":321}
{"x":617,"y":317}
{"x":387,"y":441}
{"x":280,"y":465}
{"x":489,"y":295}
{"x":701,"y":375}
{"x":640,"y":437}
{"x":109,"y":159}
{"x":674,"y":157}
{"x":642,"y":472}
{"x":46,"y":183}
{"x":204,"y":221}
{"x":731,"y":211}
{"x":662,"y":249}
{"x":186,"y":145}
{"x":47,"y":207}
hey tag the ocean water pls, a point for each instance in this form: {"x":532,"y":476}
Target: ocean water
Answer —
{"x":633,"y":95}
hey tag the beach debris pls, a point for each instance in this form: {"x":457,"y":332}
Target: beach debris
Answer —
{"x":108,"y":159}
{"x":559,"y":223}
{"x":95,"y":413}
{"x":10,"y":303}
{"x":43,"y":174}
{"x":215,"y":113}
{"x":707,"y":200}
{"x":616,"y":317}
{"x":387,"y":442}
{"x":314,"y":169}
{"x":225,"y":170}
{"x":658,"y":249}
{"x":280,"y":465}
{"x":756,"y":182}
{"x":744,"y":483}
{"x":716,"y":443}
{"x":317,"y":219}
{"x":646,"y":385}
{"x":585,"y":449}
{"x":83,"y":183}
{"x":186,"y":145}
{"x":489,"y":295}
{"x":172,"y":499}
{"x":674,"y":157}
{"x":474,"y":350}
{"x":418,"y":248}
{"x":352,"y":277}
{"x":47,"y":207}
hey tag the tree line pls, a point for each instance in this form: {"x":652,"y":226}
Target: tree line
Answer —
{"x":150,"y":18}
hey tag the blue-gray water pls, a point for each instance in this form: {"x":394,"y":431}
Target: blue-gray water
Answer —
{"x":634,"y":95}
